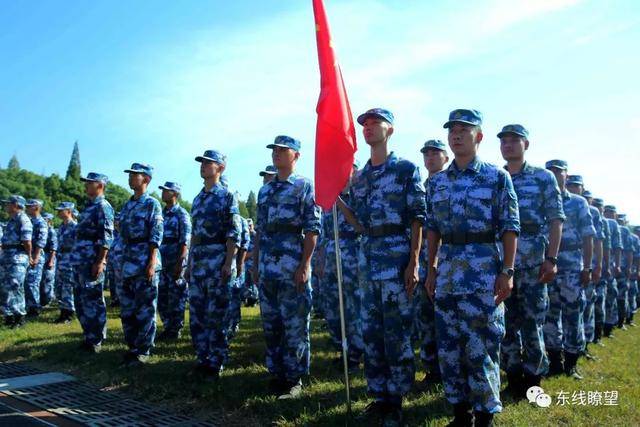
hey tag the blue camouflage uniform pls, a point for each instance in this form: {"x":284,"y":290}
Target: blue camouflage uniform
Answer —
{"x":14,"y":261}
{"x":539,"y":203}
{"x":286,"y":212}
{"x":47,"y":284}
{"x":34,"y":272}
{"x":611,"y":299}
{"x":633,"y":281}
{"x":93,"y":232}
{"x":64,"y":265}
{"x":216,"y":220}
{"x":351,"y":291}
{"x":623,"y":280}
{"x":589,"y":312}
{"x":173,"y":293}
{"x":114,"y":265}
{"x":601,"y":286}
{"x":387,"y":199}
{"x":237,"y":286}
{"x":250,"y":293}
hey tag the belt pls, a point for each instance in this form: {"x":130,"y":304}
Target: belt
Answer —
{"x":386,"y":230}
{"x":169,"y":240}
{"x":205,"y":240}
{"x":570,"y":247}
{"x":136,"y":240}
{"x":13,"y":247}
{"x":530,"y":228}
{"x":464,"y":238}
{"x":87,"y":236}
{"x":279,"y":227}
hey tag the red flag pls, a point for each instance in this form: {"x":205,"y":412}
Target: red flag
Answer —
{"x":335,"y":132}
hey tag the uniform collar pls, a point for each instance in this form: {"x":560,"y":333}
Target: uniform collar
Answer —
{"x":526,"y":168}
{"x":392,"y":159}
{"x":474,"y":166}
{"x":566,"y":194}
{"x":144,"y":196}
{"x":172,"y":209}
{"x":290,"y":179}
{"x":96,"y":200}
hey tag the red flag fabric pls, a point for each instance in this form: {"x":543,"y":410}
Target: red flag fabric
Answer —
{"x":335,"y":132}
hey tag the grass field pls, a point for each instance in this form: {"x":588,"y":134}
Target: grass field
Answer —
{"x":242,"y":400}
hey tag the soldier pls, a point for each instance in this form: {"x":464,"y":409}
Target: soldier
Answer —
{"x":237,"y":286}
{"x":575,"y":185}
{"x":114,"y":264}
{"x":541,"y":217}
{"x":611,"y":300}
{"x":601,"y":285}
{"x":47,"y":283}
{"x":214,"y":243}
{"x":15,"y":258}
{"x":623,"y":279}
{"x":36,"y":264}
{"x":268,"y":174}
{"x":471,"y":205}
{"x":435,"y":158}
{"x":250,"y":288}
{"x":141,"y":228}
{"x":64,"y":267}
{"x":633,"y":281}
{"x":564,"y":326}
{"x":288,"y":227}
{"x":94,"y":236}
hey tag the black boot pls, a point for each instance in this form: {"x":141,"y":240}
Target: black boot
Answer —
{"x":597,"y":335}
{"x":18,"y":321}
{"x":61,"y":317}
{"x":588,"y":355}
{"x":606,"y":331}
{"x":515,"y":384}
{"x":556,"y":366}
{"x":570,"y":361}
{"x":483,"y":419}
{"x":9,"y":320}
{"x":621,"y":323}
{"x":530,"y":381}
{"x":462,"y":415}
{"x":630,"y":320}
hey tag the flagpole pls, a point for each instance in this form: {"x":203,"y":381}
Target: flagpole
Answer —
{"x":336,"y":239}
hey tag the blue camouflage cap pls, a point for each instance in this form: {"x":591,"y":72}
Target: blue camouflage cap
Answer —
{"x":17,"y":199}
{"x":379,"y":113}
{"x":558,"y":164}
{"x":269,"y":170}
{"x":47,"y":216}
{"x":514,"y":129}
{"x":435,"y":144}
{"x":65,"y":205}
{"x":610,"y":208}
{"x":636,"y":229}
{"x":213,"y":156}
{"x":575,"y":179}
{"x":76,"y":213}
{"x":171,"y":186}
{"x":598,"y":202}
{"x":470,"y":117}
{"x":622,"y":216}
{"x":34,"y":202}
{"x":286,"y":142}
{"x":140,"y":168}
{"x":95,"y":177}
{"x":587,"y":194}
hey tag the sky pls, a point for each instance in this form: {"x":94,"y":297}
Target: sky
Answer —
{"x":159,"y":82}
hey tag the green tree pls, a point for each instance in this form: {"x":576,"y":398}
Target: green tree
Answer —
{"x":73,"y":171}
{"x":252,"y":206}
{"x":13,"y":163}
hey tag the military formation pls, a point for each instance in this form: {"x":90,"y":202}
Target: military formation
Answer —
{"x":482,"y":268}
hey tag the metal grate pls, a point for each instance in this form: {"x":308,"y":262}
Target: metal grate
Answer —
{"x":17,"y":369}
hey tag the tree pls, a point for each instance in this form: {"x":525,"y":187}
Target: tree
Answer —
{"x":13,"y":163}
{"x":73,"y":171}
{"x":252,"y":206}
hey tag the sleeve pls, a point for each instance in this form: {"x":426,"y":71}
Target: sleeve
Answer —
{"x":26,"y":229}
{"x":597,"y":225}
{"x":156,"y":224}
{"x":53,"y":242}
{"x":430,"y":217}
{"x":606,"y":244}
{"x":246,"y":238}
{"x":553,"y":207}
{"x":233,"y":213}
{"x":185,"y":228}
{"x":311,"y":213}
{"x":105,"y":226}
{"x":585,"y":220}
{"x":627,"y":245}
{"x":616,"y":242}
{"x":416,"y":199}
{"x":262,"y":210}
{"x":40,"y":234}
{"x":509,"y":215}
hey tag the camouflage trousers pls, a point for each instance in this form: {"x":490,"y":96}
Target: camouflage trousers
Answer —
{"x":623,"y":297}
{"x":13,"y":271}
{"x":234,"y":313}
{"x":599,"y":305}
{"x":114,"y":277}
{"x":632,"y":298}
{"x":64,"y":288}
{"x":611,"y":302}
{"x":387,"y":325}
{"x":208,"y":306}
{"x":318,"y":296}
{"x":172,"y":301}
{"x":285,"y":322}
{"x":469,"y":330}
{"x":138,"y":303}
{"x":47,"y":284}
{"x":523,"y":348}
{"x":425,"y":329}
{"x":32,"y":284}
{"x":564,"y":326}
{"x":589,"y":312}
{"x":90,"y":307}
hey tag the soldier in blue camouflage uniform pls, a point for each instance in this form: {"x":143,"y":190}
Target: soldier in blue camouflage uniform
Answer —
{"x":64,"y":266}
{"x":141,"y":228}
{"x":250,"y":293}
{"x":624,"y":278}
{"x":615,"y":260}
{"x":14,"y":261}
{"x":636,"y":265}
{"x":471,"y":206}
{"x":601,"y":285}
{"x":173,"y":291}
{"x":633,"y":280}
{"x":94,"y":236}
{"x":214,"y":244}
{"x":288,"y":226}
{"x":47,"y":283}
{"x":114,"y":264}
{"x":36,"y":265}
{"x":541,"y":217}
{"x":564,"y":326}
{"x":237,"y":286}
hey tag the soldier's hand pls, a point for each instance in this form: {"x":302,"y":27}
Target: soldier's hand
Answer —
{"x":503,"y":287}
{"x":225,"y":273}
{"x":616,"y":271}
{"x":627,"y":273}
{"x":585,"y":277}
{"x":50,"y":265}
{"x":301,"y":277}
{"x":32,"y":261}
{"x":35,"y":260}
{"x":411,"y":278}
{"x":430,"y":283}
{"x":177,"y":270}
{"x":150,"y":270}
{"x":96,"y":269}
{"x":548,"y":272}
{"x":596,"y":275}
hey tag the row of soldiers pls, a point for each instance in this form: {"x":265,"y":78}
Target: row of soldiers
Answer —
{"x":517,"y":267}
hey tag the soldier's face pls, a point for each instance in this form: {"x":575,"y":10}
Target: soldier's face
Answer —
{"x":561,"y":176}
{"x":209,"y":169}
{"x":284,"y":157}
{"x":11,"y":208}
{"x":168,"y":196}
{"x":574,"y":188}
{"x":464,"y":139}
{"x":376,"y":130}
{"x":434,"y":160}
{"x":33,"y":210}
{"x":64,"y":214}
{"x":136,"y":180}
{"x":513,"y":147}
{"x":93,"y":189}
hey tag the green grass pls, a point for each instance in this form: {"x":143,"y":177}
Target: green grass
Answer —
{"x":242,"y":400}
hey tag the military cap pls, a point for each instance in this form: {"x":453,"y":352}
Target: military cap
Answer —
{"x":269,"y":170}
{"x":470,"y":117}
{"x":636,"y":229}
{"x":435,"y":144}
{"x":379,"y":113}
{"x":171,"y":186}
{"x":76,"y":213}
{"x":610,"y":208}
{"x":213,"y":156}
{"x":47,"y":216}
{"x":587,"y":194}
{"x":514,"y":129}
{"x":65,"y":205}
{"x":622,"y":216}
{"x":286,"y":142}
{"x":558,"y":164}
{"x":95,"y":177}
{"x":17,"y":199}
{"x":575,"y":179}
{"x":598,"y":202}
{"x":141,"y":168}
{"x":34,"y":202}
